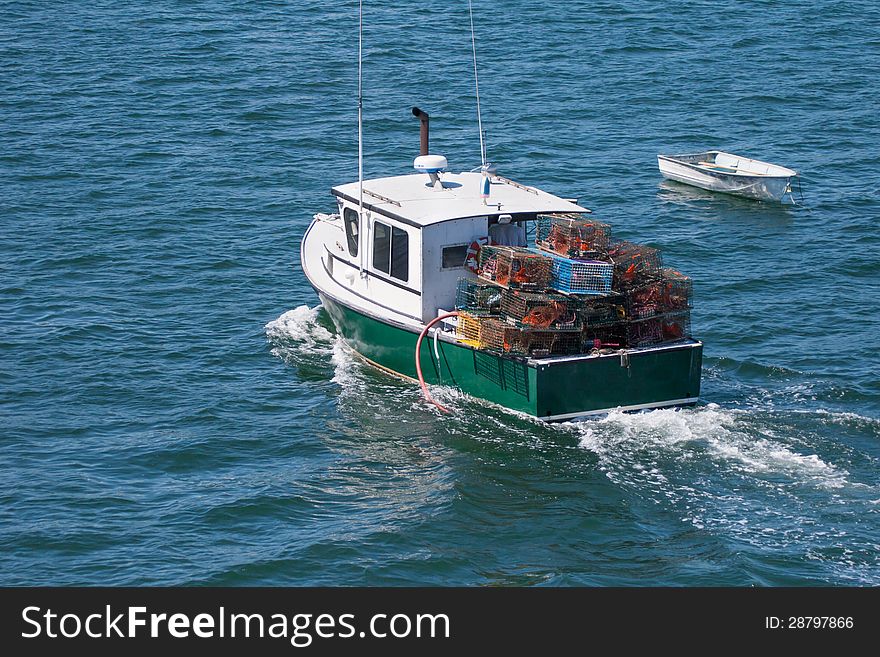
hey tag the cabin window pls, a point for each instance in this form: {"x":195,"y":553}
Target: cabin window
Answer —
{"x":453,"y":257}
{"x":381,"y":247}
{"x":350,"y":218}
{"x":399,"y":254}
{"x":391,"y":250}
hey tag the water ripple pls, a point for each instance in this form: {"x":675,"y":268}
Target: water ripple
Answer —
{"x":177,"y":410}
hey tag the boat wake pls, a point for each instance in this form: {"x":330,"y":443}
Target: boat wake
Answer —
{"x":758,"y":478}
{"x":724,"y":438}
{"x":743,"y":476}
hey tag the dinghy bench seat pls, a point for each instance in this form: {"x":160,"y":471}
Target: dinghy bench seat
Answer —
{"x":725,"y":160}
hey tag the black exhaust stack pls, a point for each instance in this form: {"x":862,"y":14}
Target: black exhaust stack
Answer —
{"x":423,"y":131}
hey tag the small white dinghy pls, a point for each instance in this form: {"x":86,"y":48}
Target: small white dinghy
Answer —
{"x":718,"y":171}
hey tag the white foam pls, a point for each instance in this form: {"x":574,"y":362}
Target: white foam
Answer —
{"x":846,"y":418}
{"x":711,"y":431}
{"x":344,"y":365}
{"x":299,"y":328}
{"x":447,"y":395}
{"x":726,"y":471}
{"x":299,"y":325}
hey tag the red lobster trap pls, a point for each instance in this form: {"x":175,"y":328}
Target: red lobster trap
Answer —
{"x":500,"y":336}
{"x":672,"y":292}
{"x":678,"y":290}
{"x":572,"y":235}
{"x":534,"y":310}
{"x":657,"y":329}
{"x":634,"y":264}
{"x":514,"y":267}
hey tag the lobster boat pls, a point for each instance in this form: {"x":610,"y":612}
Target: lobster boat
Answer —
{"x":504,"y":291}
{"x":718,"y":171}
{"x":499,"y":289}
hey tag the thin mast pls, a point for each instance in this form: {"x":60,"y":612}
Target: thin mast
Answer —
{"x":477,"y":85}
{"x":361,"y":222}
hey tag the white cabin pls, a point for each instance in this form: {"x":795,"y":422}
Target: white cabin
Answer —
{"x":406,"y":254}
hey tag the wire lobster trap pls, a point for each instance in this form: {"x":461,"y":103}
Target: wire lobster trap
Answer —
{"x":644,"y":332}
{"x":645,"y":301}
{"x":668,"y":327}
{"x":469,"y":329}
{"x":672,"y":292}
{"x":608,"y":336}
{"x":514,"y":267}
{"x":678,"y":290}
{"x":522,"y":341}
{"x":478,"y":297}
{"x":634,"y":264}
{"x":602,"y":312}
{"x":572,"y":235}
{"x":536,"y":310}
{"x":676,"y":326}
{"x":580,"y":276}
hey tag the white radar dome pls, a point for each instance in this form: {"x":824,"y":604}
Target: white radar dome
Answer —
{"x":430,"y":163}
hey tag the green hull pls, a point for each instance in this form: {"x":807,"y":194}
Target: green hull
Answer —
{"x":552,"y":390}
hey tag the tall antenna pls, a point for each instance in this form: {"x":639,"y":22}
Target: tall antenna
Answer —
{"x":361,"y":105}
{"x":477,"y":85}
{"x":362,"y":223}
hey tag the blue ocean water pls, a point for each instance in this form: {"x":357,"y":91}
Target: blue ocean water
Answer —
{"x":175,"y":408}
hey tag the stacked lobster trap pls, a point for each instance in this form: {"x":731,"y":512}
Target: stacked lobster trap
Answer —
{"x":478,"y":297}
{"x":514,"y":267}
{"x":540,"y":311}
{"x":498,"y":335}
{"x":634,"y":264}
{"x":576,"y":292}
{"x":571,"y":236}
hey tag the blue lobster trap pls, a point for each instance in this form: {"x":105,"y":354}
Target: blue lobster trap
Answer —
{"x":580,"y":276}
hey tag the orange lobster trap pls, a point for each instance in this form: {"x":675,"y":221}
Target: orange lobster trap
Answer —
{"x":533,"y":310}
{"x":572,"y":236}
{"x":514,"y":267}
{"x":669,"y":327}
{"x":644,"y":332}
{"x":522,"y":341}
{"x":676,"y":326}
{"x":678,"y":290}
{"x":645,"y":301}
{"x":672,"y":292}
{"x":634,"y":264}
